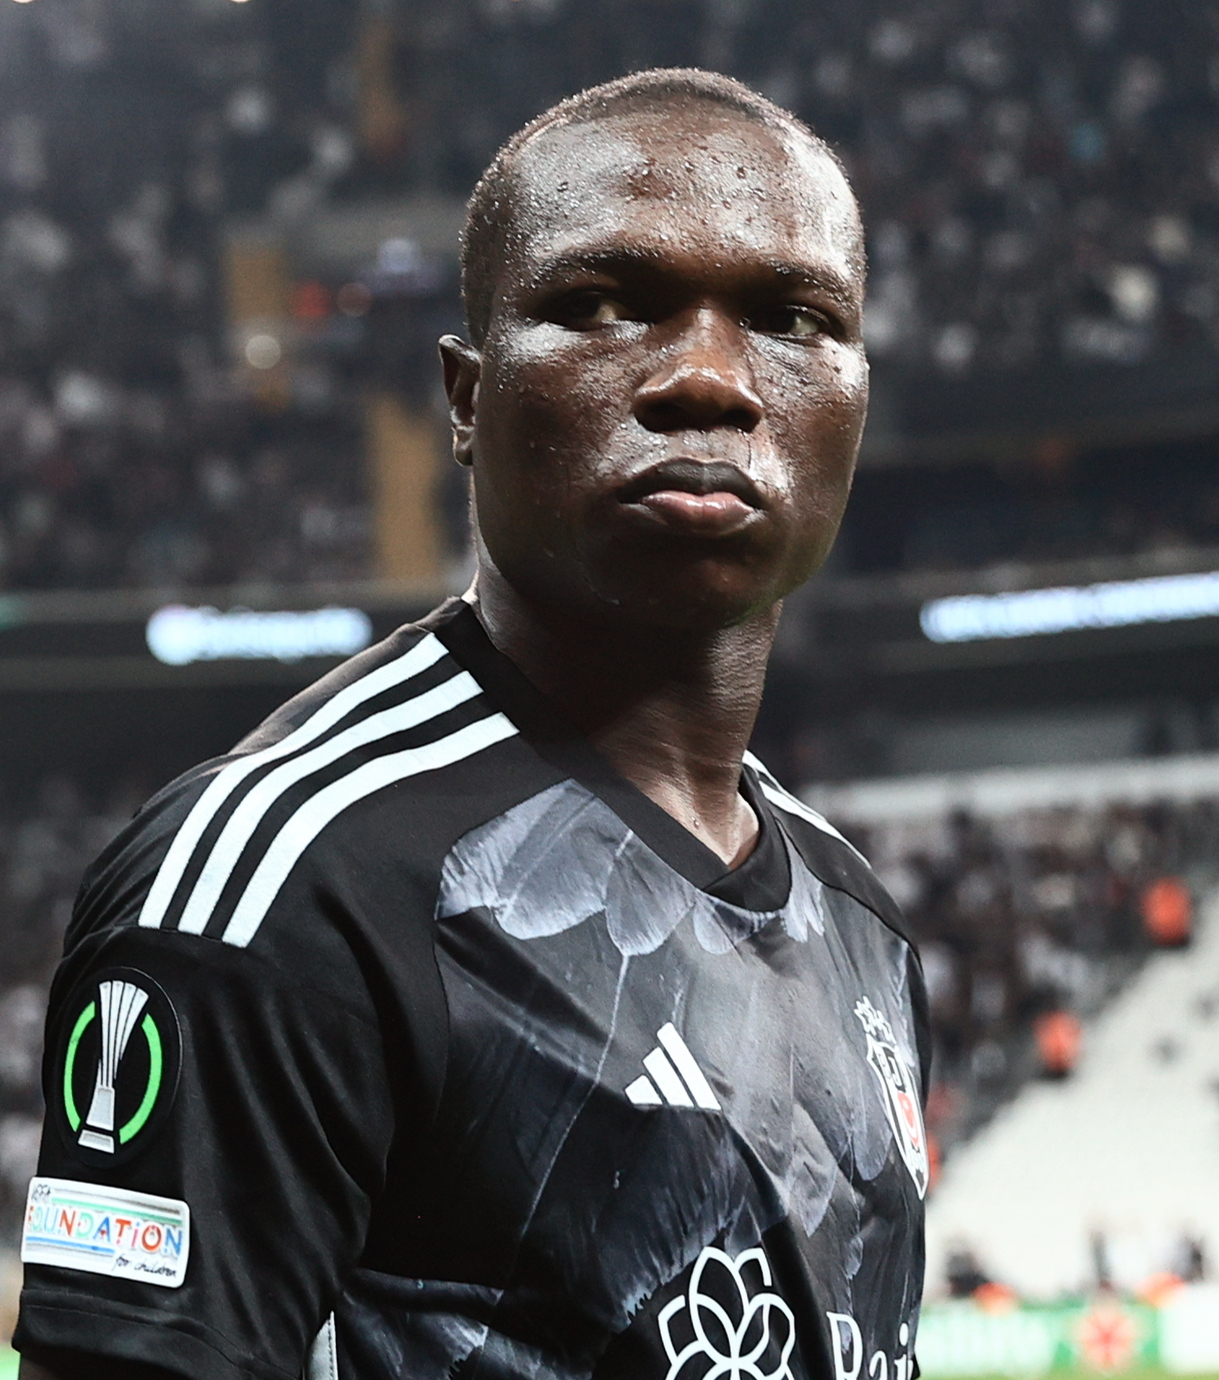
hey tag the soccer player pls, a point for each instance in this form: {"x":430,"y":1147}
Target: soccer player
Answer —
{"x":490,"y":1011}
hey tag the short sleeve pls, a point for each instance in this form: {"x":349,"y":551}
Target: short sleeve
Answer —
{"x":216,"y":1136}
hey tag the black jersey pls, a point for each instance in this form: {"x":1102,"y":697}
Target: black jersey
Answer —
{"x":409,"y":1042}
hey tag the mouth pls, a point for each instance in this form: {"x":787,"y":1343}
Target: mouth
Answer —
{"x":705,"y":497}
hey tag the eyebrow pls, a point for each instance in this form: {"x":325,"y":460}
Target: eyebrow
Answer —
{"x":826,"y":280}
{"x":783,"y":271}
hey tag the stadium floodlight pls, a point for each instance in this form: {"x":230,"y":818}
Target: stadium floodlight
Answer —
{"x":177,"y":635}
{"x":1070,"y":608}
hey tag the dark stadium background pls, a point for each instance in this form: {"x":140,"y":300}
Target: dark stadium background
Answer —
{"x":227,"y":247}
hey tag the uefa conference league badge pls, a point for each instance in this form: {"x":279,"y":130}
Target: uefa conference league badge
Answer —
{"x":116,"y":1070}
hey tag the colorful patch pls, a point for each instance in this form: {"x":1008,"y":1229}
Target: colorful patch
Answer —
{"x":116,"y":1070}
{"x":106,"y":1231}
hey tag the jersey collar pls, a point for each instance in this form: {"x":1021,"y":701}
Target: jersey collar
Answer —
{"x":761,"y":883}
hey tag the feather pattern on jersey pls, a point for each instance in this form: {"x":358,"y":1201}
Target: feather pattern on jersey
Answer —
{"x":562,"y":856}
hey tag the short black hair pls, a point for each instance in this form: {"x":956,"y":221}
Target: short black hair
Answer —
{"x":492,"y":205}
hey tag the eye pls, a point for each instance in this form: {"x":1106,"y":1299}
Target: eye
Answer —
{"x":591,"y":307}
{"x":792,"y":320}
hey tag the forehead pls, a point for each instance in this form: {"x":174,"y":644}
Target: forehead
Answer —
{"x":684,"y":180}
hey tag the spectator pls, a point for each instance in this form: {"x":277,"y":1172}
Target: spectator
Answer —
{"x":1058,"y":1036}
{"x":1167,"y":911}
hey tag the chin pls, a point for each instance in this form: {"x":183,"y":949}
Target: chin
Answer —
{"x":687,"y":605}
{"x":624,"y":589}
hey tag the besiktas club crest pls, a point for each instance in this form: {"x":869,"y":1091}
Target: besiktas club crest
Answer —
{"x":899,"y":1093}
{"x":116,"y":1067}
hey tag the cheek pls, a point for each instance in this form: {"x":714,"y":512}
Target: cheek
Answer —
{"x":822,"y":416}
{"x":552,"y":382}
{"x":544,"y":417}
{"x":825,"y":424}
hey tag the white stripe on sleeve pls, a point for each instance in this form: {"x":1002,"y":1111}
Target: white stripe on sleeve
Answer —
{"x":319,"y":810}
{"x":246,"y":818}
{"x":424,"y":654}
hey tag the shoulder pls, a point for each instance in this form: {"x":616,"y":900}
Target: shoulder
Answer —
{"x":829,"y":854}
{"x":216,"y":850}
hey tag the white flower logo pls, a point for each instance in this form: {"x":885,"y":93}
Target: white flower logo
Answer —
{"x":733,"y":1331}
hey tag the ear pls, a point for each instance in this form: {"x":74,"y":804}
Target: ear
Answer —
{"x":462,"y":369}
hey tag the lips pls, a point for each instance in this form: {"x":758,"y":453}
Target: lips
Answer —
{"x":700,"y":478}
{"x":696,"y":497}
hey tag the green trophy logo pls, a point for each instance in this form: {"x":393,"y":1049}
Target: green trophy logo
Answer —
{"x":119,"y":1064}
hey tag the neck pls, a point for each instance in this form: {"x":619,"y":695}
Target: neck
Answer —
{"x":671,"y":709}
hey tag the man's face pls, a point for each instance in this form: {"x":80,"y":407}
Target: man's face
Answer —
{"x":671,"y":394}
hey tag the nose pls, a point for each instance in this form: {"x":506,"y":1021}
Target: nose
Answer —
{"x":704,"y":382}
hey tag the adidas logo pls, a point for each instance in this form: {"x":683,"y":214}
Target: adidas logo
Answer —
{"x":669,"y":1064}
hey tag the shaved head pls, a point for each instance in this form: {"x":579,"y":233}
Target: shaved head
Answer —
{"x":493,"y":217}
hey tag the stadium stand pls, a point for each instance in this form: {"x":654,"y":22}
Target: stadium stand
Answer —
{"x":1064,"y":501}
{"x":1115,"y":1164}
{"x":133,"y":449}
{"x":1030,"y":891}
{"x":1020,"y":922}
{"x":1041,"y":182}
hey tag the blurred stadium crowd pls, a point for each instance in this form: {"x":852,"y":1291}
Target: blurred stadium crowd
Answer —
{"x":1144,"y":508}
{"x":1040,"y":179}
{"x":1028,"y":923}
{"x":131,"y":451}
{"x":1040,"y":917}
